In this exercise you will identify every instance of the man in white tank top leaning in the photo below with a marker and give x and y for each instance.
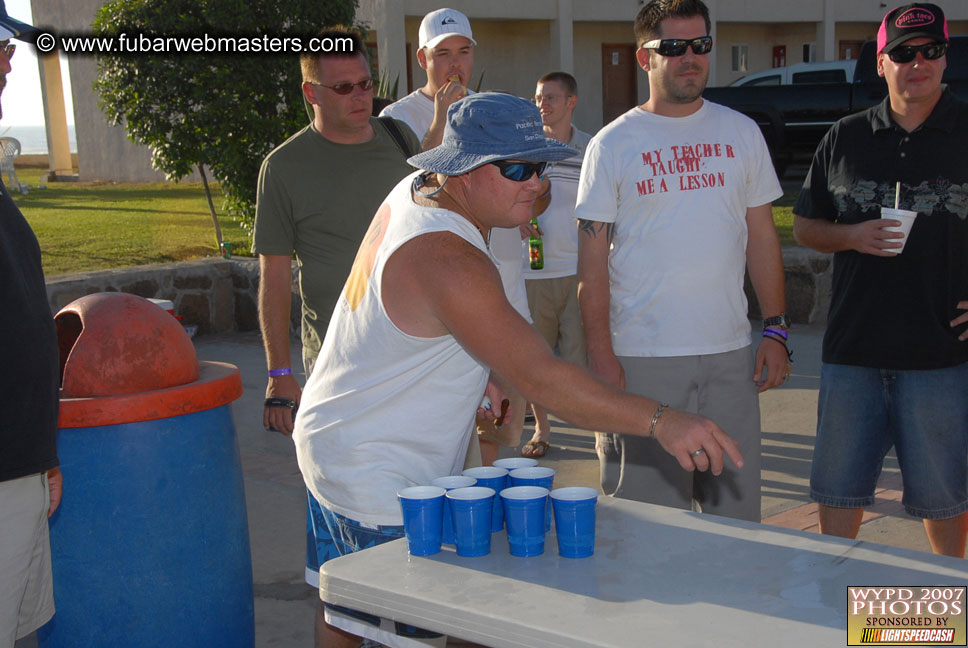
(423, 323)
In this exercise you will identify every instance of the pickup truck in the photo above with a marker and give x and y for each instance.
(794, 118)
(815, 72)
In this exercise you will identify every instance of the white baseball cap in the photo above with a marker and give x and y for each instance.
(441, 24)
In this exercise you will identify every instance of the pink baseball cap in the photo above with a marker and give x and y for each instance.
(916, 20)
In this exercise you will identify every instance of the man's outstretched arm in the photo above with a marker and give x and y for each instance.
(438, 283)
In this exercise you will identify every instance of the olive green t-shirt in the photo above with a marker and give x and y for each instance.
(316, 198)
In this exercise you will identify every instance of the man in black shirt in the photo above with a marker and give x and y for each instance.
(895, 369)
(30, 482)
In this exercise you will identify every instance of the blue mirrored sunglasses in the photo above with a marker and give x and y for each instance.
(519, 171)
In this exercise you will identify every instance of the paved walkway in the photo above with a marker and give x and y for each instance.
(276, 506)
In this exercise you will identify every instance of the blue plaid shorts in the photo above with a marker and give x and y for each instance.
(331, 535)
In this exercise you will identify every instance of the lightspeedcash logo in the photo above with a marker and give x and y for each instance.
(891, 616)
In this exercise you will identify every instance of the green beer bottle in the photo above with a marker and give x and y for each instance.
(536, 247)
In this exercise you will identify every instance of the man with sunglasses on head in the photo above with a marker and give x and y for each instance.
(317, 193)
(422, 324)
(674, 203)
(30, 481)
(895, 352)
(446, 53)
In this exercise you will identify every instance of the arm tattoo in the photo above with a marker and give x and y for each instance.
(592, 228)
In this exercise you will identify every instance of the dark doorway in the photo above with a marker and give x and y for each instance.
(619, 92)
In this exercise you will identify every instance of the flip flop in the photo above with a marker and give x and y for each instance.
(535, 449)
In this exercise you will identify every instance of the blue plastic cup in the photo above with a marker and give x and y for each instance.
(496, 478)
(423, 516)
(450, 483)
(524, 514)
(575, 520)
(516, 462)
(535, 476)
(470, 508)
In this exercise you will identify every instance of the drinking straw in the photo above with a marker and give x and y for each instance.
(897, 195)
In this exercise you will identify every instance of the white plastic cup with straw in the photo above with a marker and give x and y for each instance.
(904, 216)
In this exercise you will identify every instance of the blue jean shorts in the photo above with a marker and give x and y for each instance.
(863, 412)
(337, 535)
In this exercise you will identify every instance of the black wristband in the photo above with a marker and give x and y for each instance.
(281, 402)
(778, 340)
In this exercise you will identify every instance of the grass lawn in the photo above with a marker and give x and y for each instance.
(85, 226)
(783, 216)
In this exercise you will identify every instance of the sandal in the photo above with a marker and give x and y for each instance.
(535, 449)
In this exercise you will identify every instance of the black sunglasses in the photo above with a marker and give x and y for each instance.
(520, 171)
(8, 49)
(906, 53)
(677, 46)
(346, 88)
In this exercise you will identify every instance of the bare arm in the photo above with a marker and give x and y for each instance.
(765, 265)
(448, 93)
(867, 237)
(435, 134)
(961, 320)
(594, 241)
(439, 283)
(275, 302)
(55, 485)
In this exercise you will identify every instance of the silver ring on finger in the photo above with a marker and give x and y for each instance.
(697, 453)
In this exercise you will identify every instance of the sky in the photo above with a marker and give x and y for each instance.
(22, 103)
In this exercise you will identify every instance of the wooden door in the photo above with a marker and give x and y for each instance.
(619, 92)
(849, 49)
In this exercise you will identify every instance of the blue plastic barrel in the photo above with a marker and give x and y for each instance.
(150, 544)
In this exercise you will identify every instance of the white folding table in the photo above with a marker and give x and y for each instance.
(659, 577)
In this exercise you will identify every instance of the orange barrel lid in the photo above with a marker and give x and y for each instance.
(113, 343)
(124, 360)
(218, 384)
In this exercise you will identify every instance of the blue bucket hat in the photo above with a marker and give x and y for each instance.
(490, 126)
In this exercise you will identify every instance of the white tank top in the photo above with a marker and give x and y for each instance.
(384, 410)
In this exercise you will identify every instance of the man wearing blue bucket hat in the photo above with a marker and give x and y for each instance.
(422, 323)
(30, 482)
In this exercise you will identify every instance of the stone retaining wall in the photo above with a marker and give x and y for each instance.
(216, 295)
(220, 295)
(808, 280)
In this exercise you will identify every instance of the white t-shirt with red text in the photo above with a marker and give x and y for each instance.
(677, 191)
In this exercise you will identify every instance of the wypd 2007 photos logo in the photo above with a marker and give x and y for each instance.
(892, 616)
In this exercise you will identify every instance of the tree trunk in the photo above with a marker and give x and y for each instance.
(211, 209)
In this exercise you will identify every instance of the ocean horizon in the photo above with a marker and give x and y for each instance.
(33, 139)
